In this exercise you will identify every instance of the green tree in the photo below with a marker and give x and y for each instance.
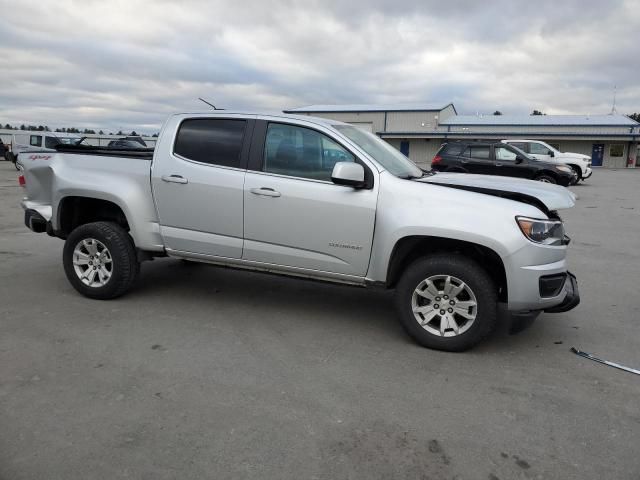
(497, 112)
(537, 112)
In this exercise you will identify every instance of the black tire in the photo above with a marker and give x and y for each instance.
(11, 157)
(125, 265)
(546, 178)
(470, 273)
(576, 169)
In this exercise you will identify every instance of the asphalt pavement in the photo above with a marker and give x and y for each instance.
(205, 372)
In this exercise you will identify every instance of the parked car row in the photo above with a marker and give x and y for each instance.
(530, 159)
(26, 142)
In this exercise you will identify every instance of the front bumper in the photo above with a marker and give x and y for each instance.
(587, 173)
(572, 297)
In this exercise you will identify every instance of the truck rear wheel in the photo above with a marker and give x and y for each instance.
(446, 302)
(100, 260)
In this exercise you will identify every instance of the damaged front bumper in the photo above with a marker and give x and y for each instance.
(572, 297)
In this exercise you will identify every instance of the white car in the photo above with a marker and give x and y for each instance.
(35, 141)
(543, 151)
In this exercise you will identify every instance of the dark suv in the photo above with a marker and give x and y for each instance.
(496, 158)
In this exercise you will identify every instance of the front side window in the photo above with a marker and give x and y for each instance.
(503, 153)
(301, 152)
(35, 140)
(616, 150)
(537, 149)
(216, 141)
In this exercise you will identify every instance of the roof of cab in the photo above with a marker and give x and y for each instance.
(263, 114)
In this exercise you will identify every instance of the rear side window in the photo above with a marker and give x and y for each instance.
(51, 142)
(35, 140)
(211, 140)
(453, 149)
(481, 152)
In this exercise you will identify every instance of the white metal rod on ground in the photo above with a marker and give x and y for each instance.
(606, 362)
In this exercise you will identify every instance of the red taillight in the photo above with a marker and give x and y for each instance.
(22, 181)
(436, 160)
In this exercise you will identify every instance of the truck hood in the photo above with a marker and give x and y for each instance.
(545, 196)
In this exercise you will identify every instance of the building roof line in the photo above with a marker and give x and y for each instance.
(366, 108)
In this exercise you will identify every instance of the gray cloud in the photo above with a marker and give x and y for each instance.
(128, 64)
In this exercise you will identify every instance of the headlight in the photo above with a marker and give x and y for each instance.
(564, 168)
(547, 232)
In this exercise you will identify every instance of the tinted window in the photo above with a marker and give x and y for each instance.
(503, 153)
(211, 140)
(538, 149)
(301, 152)
(481, 152)
(453, 149)
(35, 140)
(51, 142)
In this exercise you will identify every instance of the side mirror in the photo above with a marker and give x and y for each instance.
(348, 173)
(552, 154)
(519, 160)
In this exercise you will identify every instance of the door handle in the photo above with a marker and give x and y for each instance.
(464, 161)
(174, 179)
(498, 164)
(265, 192)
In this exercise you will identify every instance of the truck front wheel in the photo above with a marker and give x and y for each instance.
(100, 260)
(446, 302)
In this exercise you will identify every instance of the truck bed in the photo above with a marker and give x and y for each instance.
(144, 153)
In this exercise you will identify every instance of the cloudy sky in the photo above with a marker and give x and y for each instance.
(114, 64)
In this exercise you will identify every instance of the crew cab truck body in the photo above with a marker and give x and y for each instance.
(580, 163)
(311, 198)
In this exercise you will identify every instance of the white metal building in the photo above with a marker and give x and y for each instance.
(419, 130)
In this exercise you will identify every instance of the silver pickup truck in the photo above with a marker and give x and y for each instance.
(311, 198)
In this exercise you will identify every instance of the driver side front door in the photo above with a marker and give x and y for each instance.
(294, 215)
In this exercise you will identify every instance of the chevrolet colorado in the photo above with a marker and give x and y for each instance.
(312, 198)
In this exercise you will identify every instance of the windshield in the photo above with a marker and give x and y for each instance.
(383, 153)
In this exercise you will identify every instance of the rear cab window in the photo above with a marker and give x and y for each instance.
(35, 140)
(215, 141)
